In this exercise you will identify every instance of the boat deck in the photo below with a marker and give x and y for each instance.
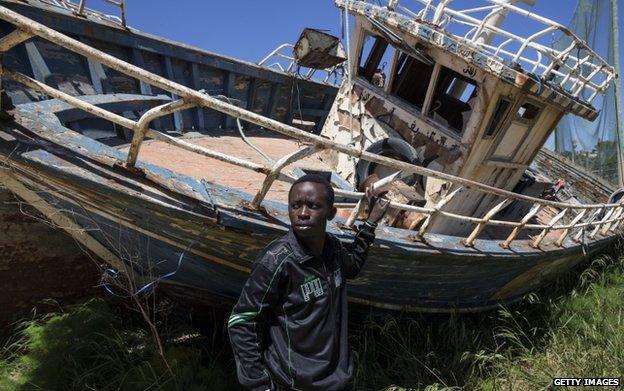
(230, 175)
(226, 174)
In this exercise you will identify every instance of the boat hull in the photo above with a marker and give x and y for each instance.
(207, 243)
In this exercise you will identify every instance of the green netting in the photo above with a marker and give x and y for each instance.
(592, 145)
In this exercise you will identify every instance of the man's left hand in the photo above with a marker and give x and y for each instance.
(377, 205)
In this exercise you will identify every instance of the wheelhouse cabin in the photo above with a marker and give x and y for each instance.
(454, 104)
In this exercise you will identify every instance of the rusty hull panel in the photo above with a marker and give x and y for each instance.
(38, 262)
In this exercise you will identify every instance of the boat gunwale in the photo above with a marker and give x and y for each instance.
(162, 46)
(231, 219)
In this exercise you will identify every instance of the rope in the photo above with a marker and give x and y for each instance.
(242, 134)
(112, 274)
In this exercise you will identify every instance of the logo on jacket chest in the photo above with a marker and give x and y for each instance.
(312, 286)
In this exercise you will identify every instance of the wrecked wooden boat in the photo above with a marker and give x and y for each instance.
(174, 163)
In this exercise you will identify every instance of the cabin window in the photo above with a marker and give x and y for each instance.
(453, 100)
(516, 133)
(376, 54)
(411, 79)
(502, 106)
(528, 112)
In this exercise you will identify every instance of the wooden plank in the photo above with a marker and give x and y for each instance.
(178, 123)
(38, 65)
(137, 59)
(198, 112)
(96, 71)
(327, 105)
(270, 107)
(228, 121)
(251, 97)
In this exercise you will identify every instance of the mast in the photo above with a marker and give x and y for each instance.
(617, 92)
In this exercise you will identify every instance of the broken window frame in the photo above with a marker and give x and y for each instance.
(492, 129)
(518, 117)
(438, 65)
(433, 88)
(394, 73)
(361, 71)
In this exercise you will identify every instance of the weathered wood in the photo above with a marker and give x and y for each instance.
(198, 112)
(228, 120)
(436, 210)
(615, 216)
(137, 58)
(536, 208)
(544, 232)
(567, 230)
(604, 220)
(12, 39)
(40, 69)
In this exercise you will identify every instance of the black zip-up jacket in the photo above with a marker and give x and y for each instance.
(289, 326)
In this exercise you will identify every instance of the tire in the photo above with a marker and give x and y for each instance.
(390, 147)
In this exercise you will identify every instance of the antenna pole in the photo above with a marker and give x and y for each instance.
(617, 92)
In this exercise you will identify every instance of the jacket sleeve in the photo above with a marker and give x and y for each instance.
(247, 322)
(354, 254)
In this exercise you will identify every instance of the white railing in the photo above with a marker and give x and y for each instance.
(604, 219)
(281, 59)
(577, 69)
(81, 9)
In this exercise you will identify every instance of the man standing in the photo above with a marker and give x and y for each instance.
(288, 329)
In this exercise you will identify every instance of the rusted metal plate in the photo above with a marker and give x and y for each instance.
(318, 50)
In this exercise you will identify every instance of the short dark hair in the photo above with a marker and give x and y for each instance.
(315, 178)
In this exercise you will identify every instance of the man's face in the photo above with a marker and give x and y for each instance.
(309, 209)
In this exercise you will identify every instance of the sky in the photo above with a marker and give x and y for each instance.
(250, 29)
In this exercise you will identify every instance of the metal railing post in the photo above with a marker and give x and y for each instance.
(13, 39)
(277, 168)
(544, 232)
(142, 126)
(436, 209)
(488, 216)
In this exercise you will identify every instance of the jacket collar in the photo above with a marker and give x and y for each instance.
(300, 252)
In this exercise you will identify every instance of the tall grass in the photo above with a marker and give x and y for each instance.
(96, 347)
(574, 328)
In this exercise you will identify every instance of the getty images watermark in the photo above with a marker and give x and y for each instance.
(586, 382)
